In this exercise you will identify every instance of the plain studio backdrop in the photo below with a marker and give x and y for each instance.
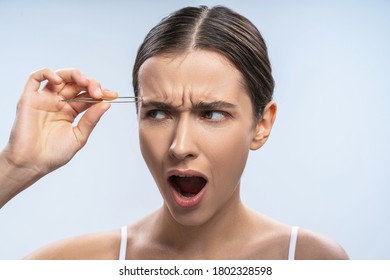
(324, 168)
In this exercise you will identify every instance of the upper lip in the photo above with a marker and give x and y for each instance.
(186, 173)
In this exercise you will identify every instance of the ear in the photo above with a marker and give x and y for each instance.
(264, 126)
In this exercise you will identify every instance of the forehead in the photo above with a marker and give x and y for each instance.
(195, 75)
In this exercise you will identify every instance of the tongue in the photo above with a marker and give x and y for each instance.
(190, 186)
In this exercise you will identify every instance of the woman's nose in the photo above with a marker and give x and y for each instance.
(184, 141)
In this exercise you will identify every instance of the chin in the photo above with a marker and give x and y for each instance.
(189, 218)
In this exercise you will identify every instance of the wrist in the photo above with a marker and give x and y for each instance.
(14, 177)
(21, 160)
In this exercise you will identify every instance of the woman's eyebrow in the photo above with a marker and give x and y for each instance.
(201, 106)
(214, 105)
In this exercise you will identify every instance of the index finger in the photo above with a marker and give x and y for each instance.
(36, 78)
(77, 77)
(73, 75)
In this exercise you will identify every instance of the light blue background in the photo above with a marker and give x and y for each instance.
(325, 167)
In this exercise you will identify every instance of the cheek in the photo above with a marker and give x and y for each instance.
(152, 146)
(228, 152)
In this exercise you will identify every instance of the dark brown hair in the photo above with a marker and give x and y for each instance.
(218, 29)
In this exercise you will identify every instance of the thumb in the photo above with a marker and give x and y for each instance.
(88, 122)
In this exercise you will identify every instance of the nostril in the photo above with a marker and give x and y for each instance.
(181, 154)
(180, 151)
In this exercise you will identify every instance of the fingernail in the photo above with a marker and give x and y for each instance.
(112, 93)
(98, 92)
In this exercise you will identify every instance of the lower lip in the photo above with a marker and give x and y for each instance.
(188, 202)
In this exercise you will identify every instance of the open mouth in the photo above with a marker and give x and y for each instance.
(187, 186)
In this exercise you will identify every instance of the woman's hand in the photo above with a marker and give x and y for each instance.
(44, 137)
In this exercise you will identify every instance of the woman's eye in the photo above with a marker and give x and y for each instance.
(157, 114)
(214, 115)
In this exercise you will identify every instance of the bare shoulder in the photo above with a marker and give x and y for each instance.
(311, 246)
(104, 246)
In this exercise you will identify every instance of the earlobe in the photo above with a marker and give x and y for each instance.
(264, 126)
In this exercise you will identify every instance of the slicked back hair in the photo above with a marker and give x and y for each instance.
(217, 29)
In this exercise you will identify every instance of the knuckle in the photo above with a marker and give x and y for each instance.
(39, 72)
(68, 70)
(77, 72)
(93, 81)
(61, 71)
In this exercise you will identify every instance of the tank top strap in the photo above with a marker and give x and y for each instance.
(293, 243)
(123, 245)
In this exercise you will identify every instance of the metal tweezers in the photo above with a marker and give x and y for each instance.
(119, 99)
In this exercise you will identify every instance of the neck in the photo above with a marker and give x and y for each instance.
(223, 229)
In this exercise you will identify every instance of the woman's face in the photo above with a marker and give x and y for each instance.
(196, 128)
